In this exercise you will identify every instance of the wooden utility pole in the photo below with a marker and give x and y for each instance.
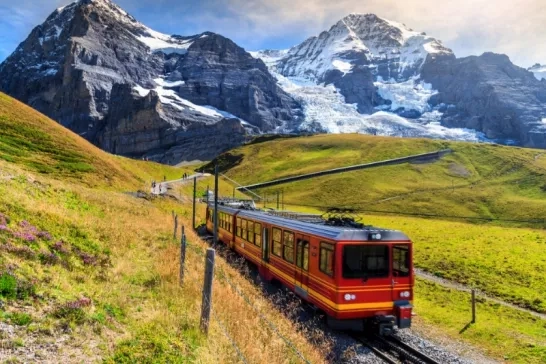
(182, 256)
(194, 193)
(206, 304)
(215, 216)
(175, 217)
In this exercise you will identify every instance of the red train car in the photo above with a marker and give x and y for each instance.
(358, 276)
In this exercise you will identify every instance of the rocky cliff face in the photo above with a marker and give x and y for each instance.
(490, 94)
(133, 91)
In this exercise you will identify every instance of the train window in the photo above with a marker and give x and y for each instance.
(239, 227)
(258, 234)
(365, 261)
(277, 242)
(327, 258)
(251, 231)
(288, 251)
(400, 260)
(243, 229)
(302, 254)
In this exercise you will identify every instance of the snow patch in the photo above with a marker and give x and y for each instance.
(163, 83)
(158, 42)
(325, 106)
(408, 95)
(170, 97)
(343, 66)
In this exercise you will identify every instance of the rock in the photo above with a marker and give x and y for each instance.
(490, 94)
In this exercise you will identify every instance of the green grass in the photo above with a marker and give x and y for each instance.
(500, 331)
(505, 262)
(477, 180)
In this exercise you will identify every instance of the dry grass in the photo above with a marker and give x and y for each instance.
(137, 311)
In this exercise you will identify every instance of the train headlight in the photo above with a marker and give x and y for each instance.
(375, 236)
(349, 297)
(405, 294)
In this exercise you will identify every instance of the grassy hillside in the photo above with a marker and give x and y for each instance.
(477, 180)
(504, 259)
(90, 273)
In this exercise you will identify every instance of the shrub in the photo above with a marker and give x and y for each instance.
(20, 318)
(8, 286)
(73, 310)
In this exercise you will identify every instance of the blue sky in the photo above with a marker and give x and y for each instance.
(466, 26)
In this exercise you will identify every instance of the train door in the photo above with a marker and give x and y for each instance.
(265, 245)
(302, 265)
(401, 272)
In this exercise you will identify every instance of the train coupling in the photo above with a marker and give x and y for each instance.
(386, 324)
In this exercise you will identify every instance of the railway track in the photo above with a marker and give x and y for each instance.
(394, 351)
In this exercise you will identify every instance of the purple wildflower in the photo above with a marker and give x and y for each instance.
(3, 227)
(79, 303)
(21, 251)
(44, 235)
(26, 236)
(49, 258)
(88, 259)
(60, 247)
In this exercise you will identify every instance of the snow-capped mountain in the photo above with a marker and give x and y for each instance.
(389, 48)
(539, 71)
(134, 91)
(373, 75)
(137, 92)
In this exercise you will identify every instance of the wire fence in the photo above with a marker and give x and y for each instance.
(221, 323)
(221, 275)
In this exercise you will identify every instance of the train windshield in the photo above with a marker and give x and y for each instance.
(365, 261)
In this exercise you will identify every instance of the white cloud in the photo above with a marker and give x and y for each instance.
(466, 26)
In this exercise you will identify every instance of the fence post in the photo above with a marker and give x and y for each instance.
(194, 193)
(215, 205)
(182, 256)
(175, 225)
(473, 306)
(206, 304)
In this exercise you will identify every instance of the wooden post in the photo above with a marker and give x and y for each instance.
(182, 256)
(207, 195)
(206, 304)
(473, 306)
(194, 193)
(215, 216)
(175, 225)
(277, 200)
(265, 200)
(282, 198)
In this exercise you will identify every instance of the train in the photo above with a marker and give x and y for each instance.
(360, 276)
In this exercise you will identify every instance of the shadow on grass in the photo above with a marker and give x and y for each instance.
(467, 326)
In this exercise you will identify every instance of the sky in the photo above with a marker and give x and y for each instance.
(469, 27)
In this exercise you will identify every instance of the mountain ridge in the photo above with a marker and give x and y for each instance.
(84, 67)
(134, 91)
(388, 71)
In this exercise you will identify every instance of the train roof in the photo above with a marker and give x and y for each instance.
(322, 230)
